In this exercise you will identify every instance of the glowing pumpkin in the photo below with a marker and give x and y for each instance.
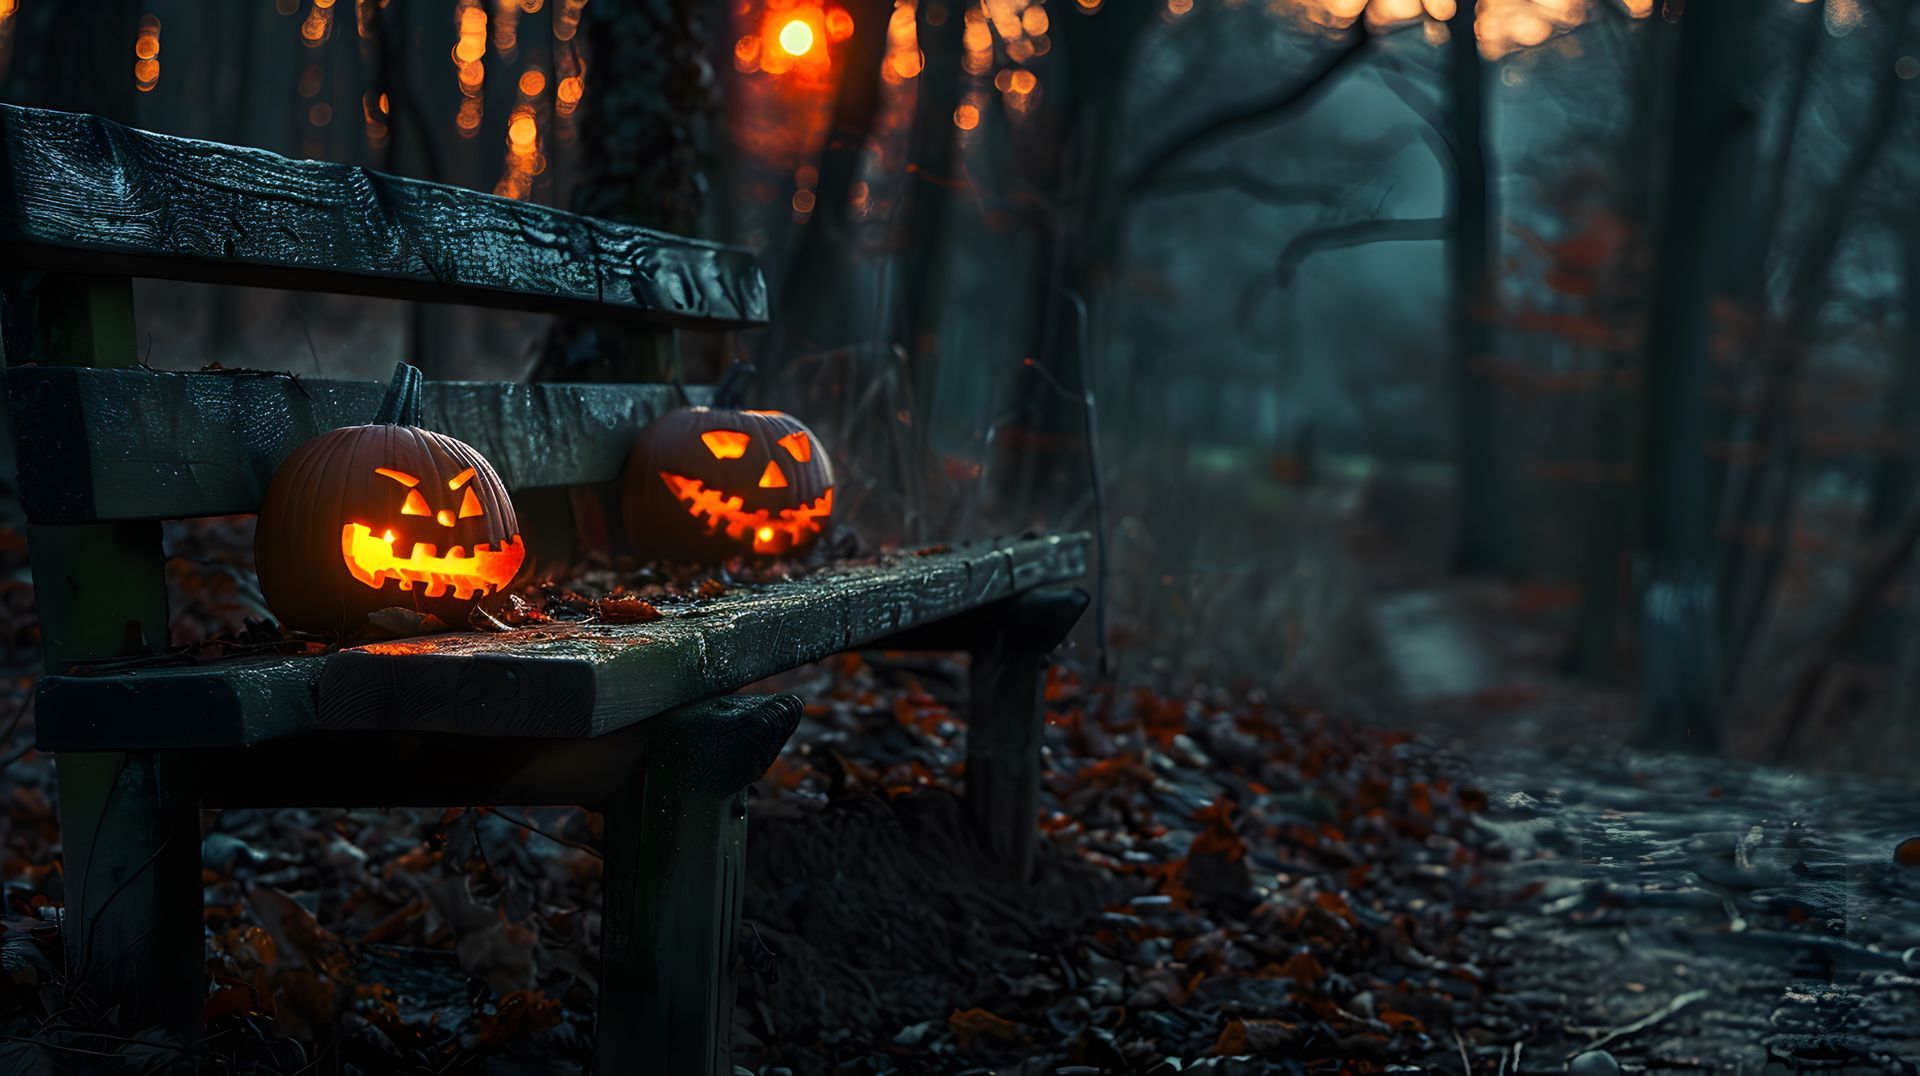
(707, 483)
(368, 517)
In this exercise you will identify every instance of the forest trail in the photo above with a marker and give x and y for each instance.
(1762, 910)
(1680, 912)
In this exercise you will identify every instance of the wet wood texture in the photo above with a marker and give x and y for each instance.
(554, 680)
(79, 193)
(134, 444)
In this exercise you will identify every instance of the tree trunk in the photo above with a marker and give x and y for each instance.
(1704, 205)
(645, 145)
(1073, 157)
(932, 171)
(1485, 503)
(1764, 504)
(1896, 474)
(1602, 645)
(74, 57)
(818, 300)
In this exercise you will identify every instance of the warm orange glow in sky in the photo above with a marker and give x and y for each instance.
(796, 37)
(1502, 26)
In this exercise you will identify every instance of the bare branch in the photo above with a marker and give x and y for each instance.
(1232, 122)
(1272, 192)
(1437, 131)
(1354, 234)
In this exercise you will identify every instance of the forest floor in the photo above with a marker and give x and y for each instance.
(1227, 884)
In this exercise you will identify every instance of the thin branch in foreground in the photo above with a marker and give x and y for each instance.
(1645, 1022)
(1355, 234)
(1231, 122)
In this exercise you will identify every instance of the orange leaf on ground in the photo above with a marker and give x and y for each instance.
(519, 1014)
(971, 1024)
(1400, 1021)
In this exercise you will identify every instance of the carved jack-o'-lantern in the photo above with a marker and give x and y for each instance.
(368, 517)
(706, 483)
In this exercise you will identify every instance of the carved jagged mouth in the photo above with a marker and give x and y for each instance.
(468, 575)
(770, 532)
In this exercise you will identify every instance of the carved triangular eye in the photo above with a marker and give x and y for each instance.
(416, 505)
(772, 477)
(470, 506)
(798, 445)
(726, 444)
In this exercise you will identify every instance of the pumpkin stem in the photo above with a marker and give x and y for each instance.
(731, 392)
(401, 405)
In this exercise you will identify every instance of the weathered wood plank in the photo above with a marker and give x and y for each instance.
(564, 680)
(137, 444)
(79, 193)
(1006, 717)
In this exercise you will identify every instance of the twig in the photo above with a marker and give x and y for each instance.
(1096, 475)
(1465, 1065)
(1645, 1022)
(562, 841)
(1354, 234)
(305, 331)
(1228, 123)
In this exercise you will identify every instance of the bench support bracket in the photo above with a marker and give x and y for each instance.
(676, 839)
(133, 930)
(1005, 724)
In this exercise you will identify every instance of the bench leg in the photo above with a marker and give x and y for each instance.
(675, 872)
(133, 929)
(1004, 725)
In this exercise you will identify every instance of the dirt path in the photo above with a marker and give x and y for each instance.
(1762, 910)
(1680, 912)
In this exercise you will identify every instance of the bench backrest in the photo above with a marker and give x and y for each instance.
(107, 449)
(83, 194)
(122, 445)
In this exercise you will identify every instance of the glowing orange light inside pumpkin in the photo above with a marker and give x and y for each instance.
(839, 24)
(372, 561)
(725, 444)
(416, 505)
(470, 506)
(772, 477)
(796, 37)
(798, 446)
(772, 532)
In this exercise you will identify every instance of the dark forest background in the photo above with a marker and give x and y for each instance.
(1594, 321)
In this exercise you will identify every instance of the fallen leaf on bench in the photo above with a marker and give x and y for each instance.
(398, 622)
(625, 609)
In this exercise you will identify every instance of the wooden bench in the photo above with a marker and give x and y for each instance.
(635, 720)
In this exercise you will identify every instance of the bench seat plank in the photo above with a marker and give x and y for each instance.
(556, 680)
(109, 445)
(84, 194)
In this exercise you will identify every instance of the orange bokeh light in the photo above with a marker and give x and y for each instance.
(796, 37)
